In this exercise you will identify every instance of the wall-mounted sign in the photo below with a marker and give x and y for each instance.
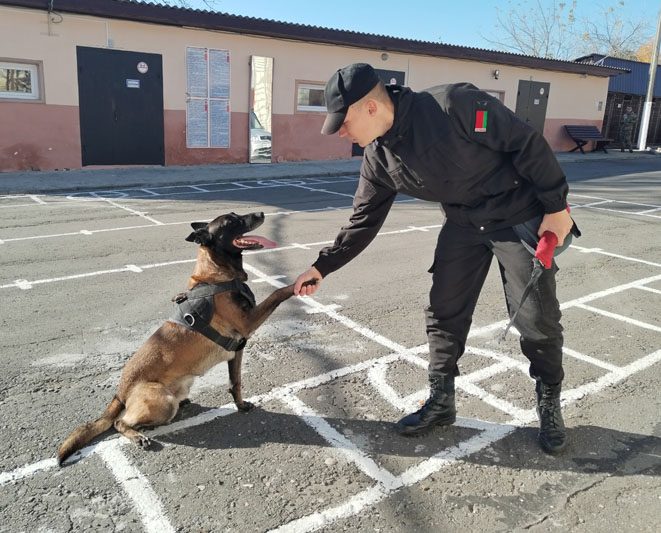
(133, 84)
(143, 67)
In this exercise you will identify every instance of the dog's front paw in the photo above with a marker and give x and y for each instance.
(142, 441)
(245, 406)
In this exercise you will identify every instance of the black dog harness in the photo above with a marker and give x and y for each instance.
(194, 309)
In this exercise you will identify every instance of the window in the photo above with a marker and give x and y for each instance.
(20, 81)
(310, 97)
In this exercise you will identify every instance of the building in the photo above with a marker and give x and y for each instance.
(121, 82)
(629, 90)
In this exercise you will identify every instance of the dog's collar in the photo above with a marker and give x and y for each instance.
(195, 307)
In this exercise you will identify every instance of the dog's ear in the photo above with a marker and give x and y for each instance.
(201, 235)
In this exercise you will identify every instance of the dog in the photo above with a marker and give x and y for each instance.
(210, 325)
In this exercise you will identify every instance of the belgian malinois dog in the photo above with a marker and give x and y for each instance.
(208, 328)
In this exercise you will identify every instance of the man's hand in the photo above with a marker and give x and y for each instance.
(307, 283)
(559, 223)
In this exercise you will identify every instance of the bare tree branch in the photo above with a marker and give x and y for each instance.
(552, 30)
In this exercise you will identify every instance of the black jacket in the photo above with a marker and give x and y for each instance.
(459, 146)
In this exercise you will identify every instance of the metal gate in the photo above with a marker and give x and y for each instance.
(121, 107)
(616, 104)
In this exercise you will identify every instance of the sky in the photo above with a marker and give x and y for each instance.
(460, 22)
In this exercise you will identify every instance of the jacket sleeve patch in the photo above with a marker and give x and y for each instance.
(481, 119)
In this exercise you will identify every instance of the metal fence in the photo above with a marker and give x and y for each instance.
(616, 104)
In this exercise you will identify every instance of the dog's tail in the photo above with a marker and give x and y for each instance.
(82, 435)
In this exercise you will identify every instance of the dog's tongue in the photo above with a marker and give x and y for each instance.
(266, 243)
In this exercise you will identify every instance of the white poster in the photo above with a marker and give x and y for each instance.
(197, 123)
(207, 98)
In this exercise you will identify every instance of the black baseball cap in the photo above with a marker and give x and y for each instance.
(346, 87)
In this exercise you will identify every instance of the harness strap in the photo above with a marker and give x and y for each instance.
(188, 312)
(197, 322)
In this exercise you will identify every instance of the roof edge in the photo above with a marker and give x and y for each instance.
(183, 17)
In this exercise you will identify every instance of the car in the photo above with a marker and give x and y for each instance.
(260, 141)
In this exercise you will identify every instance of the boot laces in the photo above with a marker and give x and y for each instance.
(429, 400)
(550, 413)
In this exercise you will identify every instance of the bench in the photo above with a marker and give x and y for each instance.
(582, 135)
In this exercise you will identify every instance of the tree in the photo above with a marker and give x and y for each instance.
(610, 34)
(543, 31)
(553, 30)
(645, 51)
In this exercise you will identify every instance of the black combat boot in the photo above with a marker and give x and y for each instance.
(552, 435)
(438, 410)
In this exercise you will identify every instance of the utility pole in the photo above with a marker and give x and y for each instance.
(647, 110)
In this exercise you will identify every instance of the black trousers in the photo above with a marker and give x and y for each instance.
(461, 263)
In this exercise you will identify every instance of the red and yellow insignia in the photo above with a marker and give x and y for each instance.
(481, 120)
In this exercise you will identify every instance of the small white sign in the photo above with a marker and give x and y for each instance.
(143, 67)
(133, 84)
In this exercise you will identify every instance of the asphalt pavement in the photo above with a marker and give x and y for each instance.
(87, 272)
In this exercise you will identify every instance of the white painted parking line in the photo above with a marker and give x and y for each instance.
(600, 201)
(420, 228)
(323, 309)
(325, 191)
(647, 211)
(615, 201)
(351, 507)
(136, 486)
(649, 289)
(623, 212)
(185, 222)
(592, 204)
(268, 279)
(452, 455)
(36, 199)
(338, 441)
(611, 378)
(592, 360)
(26, 471)
(133, 211)
(618, 256)
(621, 318)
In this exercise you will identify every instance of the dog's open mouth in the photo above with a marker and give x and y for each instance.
(253, 242)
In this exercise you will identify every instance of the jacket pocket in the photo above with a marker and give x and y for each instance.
(405, 178)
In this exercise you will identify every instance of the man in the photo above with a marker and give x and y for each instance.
(495, 177)
(626, 129)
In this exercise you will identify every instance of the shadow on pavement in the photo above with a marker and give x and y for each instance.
(591, 449)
